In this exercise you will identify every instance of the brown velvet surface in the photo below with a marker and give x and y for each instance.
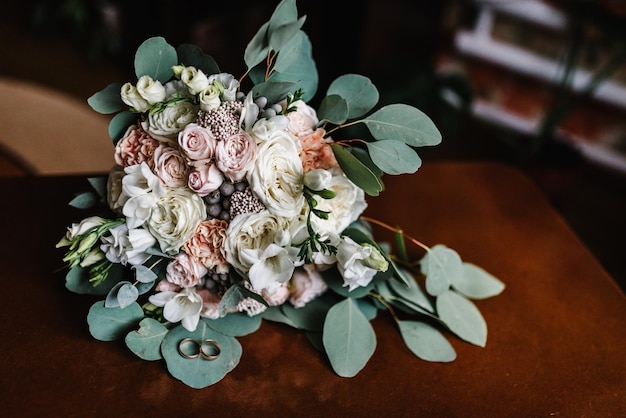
(556, 345)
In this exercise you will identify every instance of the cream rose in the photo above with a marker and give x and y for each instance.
(209, 98)
(207, 245)
(174, 218)
(235, 155)
(132, 98)
(166, 124)
(195, 80)
(277, 175)
(170, 166)
(151, 90)
(185, 271)
(303, 121)
(197, 142)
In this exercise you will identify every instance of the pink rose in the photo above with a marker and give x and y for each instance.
(316, 152)
(165, 286)
(135, 147)
(197, 143)
(302, 121)
(185, 271)
(207, 245)
(170, 166)
(235, 155)
(307, 284)
(205, 178)
(280, 295)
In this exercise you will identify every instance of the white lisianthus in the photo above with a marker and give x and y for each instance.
(184, 306)
(227, 84)
(151, 90)
(358, 264)
(132, 98)
(174, 218)
(126, 246)
(209, 98)
(166, 124)
(278, 175)
(344, 208)
(140, 189)
(83, 226)
(195, 80)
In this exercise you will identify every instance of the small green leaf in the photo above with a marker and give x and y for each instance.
(349, 339)
(235, 324)
(476, 283)
(275, 314)
(84, 200)
(107, 100)
(441, 266)
(426, 342)
(192, 56)
(333, 109)
(120, 123)
(357, 172)
(358, 91)
(403, 123)
(367, 307)
(462, 317)
(146, 342)
(108, 324)
(412, 293)
(155, 58)
(394, 157)
(363, 156)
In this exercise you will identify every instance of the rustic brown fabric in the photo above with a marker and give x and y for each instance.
(556, 345)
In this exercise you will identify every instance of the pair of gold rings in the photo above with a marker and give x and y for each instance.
(207, 349)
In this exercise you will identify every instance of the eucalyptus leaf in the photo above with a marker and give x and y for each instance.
(298, 67)
(357, 172)
(462, 317)
(367, 307)
(77, 281)
(333, 109)
(121, 295)
(410, 291)
(146, 341)
(84, 200)
(108, 324)
(274, 91)
(358, 91)
(99, 184)
(394, 157)
(235, 324)
(426, 342)
(278, 36)
(155, 58)
(476, 283)
(108, 100)
(119, 124)
(312, 315)
(198, 372)
(143, 274)
(363, 156)
(349, 339)
(441, 266)
(257, 49)
(275, 314)
(403, 123)
(191, 55)
(315, 338)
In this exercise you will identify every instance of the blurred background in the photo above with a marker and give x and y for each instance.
(536, 84)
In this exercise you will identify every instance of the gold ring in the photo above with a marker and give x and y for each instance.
(212, 350)
(186, 343)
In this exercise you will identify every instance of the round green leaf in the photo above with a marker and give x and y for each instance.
(275, 314)
(191, 55)
(358, 91)
(146, 342)
(394, 157)
(356, 171)
(108, 324)
(333, 109)
(441, 266)
(120, 123)
(198, 372)
(312, 315)
(107, 100)
(295, 64)
(349, 339)
(155, 58)
(476, 283)
(411, 293)
(258, 47)
(143, 274)
(235, 324)
(426, 342)
(403, 123)
(278, 36)
(77, 281)
(462, 317)
(273, 91)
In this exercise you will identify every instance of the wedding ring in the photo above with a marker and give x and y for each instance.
(210, 350)
(189, 348)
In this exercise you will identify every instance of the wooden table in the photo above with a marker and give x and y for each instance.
(556, 346)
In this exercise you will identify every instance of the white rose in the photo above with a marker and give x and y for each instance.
(151, 90)
(210, 98)
(227, 84)
(235, 155)
(277, 176)
(303, 121)
(195, 80)
(174, 218)
(132, 98)
(126, 246)
(358, 264)
(166, 124)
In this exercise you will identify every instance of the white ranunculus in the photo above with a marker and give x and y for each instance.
(151, 90)
(210, 98)
(303, 121)
(126, 246)
(277, 176)
(166, 124)
(345, 207)
(227, 84)
(358, 264)
(184, 306)
(174, 218)
(195, 80)
(132, 98)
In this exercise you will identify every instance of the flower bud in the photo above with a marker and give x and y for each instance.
(150, 90)
(132, 98)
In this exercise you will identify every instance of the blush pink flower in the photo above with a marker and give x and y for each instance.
(170, 166)
(135, 147)
(306, 284)
(205, 178)
(207, 245)
(316, 152)
(235, 155)
(197, 143)
(210, 304)
(185, 271)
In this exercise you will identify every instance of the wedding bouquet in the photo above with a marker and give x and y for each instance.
(227, 206)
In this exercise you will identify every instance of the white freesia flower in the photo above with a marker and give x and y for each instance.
(126, 246)
(277, 175)
(195, 80)
(132, 98)
(166, 124)
(317, 179)
(358, 264)
(184, 306)
(151, 90)
(140, 189)
(228, 85)
(249, 113)
(270, 267)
